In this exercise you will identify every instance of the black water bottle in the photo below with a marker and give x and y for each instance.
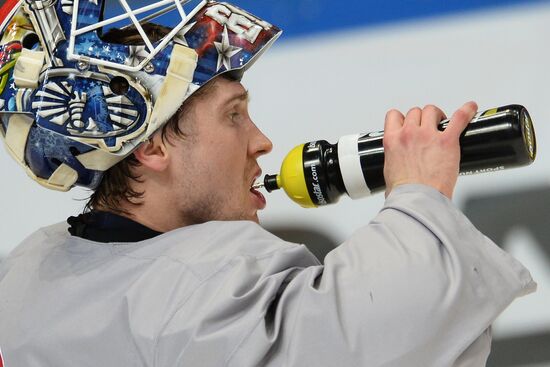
(318, 173)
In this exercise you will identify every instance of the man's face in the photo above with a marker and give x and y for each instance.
(214, 166)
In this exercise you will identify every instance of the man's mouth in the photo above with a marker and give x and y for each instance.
(259, 197)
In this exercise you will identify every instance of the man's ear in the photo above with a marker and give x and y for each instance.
(153, 154)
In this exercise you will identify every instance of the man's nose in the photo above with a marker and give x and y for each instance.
(260, 144)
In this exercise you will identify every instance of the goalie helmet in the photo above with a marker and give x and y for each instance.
(72, 104)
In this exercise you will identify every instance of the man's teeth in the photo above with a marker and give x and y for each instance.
(257, 185)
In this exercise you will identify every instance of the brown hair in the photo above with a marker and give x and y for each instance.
(115, 187)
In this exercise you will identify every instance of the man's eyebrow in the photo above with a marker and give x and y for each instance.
(245, 96)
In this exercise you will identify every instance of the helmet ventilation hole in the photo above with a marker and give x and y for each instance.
(30, 41)
(119, 85)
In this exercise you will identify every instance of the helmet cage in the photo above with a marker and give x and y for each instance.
(86, 19)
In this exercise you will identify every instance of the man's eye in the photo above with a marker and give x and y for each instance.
(235, 117)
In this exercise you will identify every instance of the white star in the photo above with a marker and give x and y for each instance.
(136, 55)
(180, 36)
(93, 2)
(225, 51)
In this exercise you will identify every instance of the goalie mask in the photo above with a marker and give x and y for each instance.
(73, 102)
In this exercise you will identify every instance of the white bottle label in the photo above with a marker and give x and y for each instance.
(350, 167)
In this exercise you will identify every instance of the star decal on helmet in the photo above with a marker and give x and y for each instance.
(136, 55)
(225, 51)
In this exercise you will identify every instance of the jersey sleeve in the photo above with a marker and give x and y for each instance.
(418, 286)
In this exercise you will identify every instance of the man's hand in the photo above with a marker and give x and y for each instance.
(417, 152)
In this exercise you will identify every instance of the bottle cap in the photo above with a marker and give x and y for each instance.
(270, 183)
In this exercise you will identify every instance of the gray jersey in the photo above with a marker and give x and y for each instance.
(417, 286)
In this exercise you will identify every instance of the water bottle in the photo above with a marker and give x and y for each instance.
(319, 173)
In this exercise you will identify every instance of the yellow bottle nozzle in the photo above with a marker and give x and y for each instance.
(292, 179)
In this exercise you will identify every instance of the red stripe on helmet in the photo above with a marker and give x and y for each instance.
(6, 9)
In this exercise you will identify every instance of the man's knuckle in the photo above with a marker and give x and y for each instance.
(393, 113)
(430, 108)
(415, 110)
(408, 134)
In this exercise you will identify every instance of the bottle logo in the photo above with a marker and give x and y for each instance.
(482, 170)
(316, 187)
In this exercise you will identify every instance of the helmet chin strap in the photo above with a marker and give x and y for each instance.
(172, 93)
